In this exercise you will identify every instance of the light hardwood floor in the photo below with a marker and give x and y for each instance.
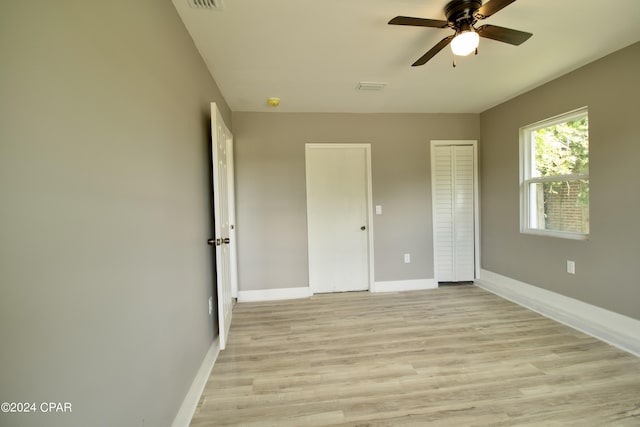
(455, 356)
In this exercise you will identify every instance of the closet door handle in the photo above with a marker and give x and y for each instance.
(363, 228)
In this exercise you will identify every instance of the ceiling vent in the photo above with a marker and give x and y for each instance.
(370, 86)
(207, 4)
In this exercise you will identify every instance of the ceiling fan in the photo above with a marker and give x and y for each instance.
(462, 16)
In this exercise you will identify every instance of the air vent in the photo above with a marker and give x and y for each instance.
(207, 4)
(370, 86)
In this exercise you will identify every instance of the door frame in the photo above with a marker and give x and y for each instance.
(369, 194)
(476, 200)
(233, 246)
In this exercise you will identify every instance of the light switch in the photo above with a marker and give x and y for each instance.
(378, 209)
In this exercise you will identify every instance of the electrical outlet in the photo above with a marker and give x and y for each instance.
(571, 267)
(407, 258)
(210, 305)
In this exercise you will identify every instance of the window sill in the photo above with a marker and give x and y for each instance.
(556, 234)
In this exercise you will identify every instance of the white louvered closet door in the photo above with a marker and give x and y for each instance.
(453, 189)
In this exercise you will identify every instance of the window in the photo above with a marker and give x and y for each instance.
(554, 170)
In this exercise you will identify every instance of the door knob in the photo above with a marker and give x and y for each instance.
(226, 240)
(363, 228)
(211, 241)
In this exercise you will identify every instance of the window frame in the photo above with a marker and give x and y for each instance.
(526, 178)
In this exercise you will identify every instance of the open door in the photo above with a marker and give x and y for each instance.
(221, 139)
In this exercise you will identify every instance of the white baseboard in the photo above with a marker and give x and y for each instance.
(306, 292)
(616, 329)
(404, 285)
(274, 294)
(190, 403)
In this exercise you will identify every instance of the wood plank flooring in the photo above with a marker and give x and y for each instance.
(456, 356)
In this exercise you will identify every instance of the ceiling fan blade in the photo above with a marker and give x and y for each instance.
(434, 50)
(418, 22)
(488, 9)
(502, 34)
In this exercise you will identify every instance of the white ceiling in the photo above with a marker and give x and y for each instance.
(313, 53)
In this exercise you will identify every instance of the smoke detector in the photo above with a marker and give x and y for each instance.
(207, 4)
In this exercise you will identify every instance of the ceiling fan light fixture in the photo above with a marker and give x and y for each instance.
(462, 15)
(465, 42)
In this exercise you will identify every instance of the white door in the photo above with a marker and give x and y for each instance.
(220, 140)
(454, 190)
(338, 217)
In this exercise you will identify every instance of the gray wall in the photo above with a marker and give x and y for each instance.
(271, 200)
(105, 210)
(607, 266)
